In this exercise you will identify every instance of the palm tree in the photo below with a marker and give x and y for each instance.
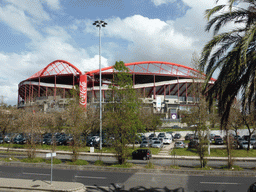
(233, 53)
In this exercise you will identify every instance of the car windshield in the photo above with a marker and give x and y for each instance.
(157, 142)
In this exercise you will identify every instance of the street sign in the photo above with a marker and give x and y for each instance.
(50, 155)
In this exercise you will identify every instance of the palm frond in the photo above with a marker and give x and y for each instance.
(223, 19)
(210, 12)
(246, 41)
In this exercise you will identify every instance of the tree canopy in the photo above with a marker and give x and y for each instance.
(233, 53)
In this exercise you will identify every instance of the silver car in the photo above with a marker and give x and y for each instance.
(157, 144)
(244, 145)
(145, 143)
(179, 144)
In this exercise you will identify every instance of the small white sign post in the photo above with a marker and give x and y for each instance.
(51, 155)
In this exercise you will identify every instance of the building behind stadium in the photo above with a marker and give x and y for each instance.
(164, 87)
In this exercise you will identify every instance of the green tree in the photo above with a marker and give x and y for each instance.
(233, 53)
(30, 123)
(121, 118)
(199, 114)
(150, 120)
(76, 119)
(8, 117)
(55, 123)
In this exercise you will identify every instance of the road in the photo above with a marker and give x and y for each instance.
(145, 181)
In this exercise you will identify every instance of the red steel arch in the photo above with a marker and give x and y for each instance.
(57, 67)
(154, 68)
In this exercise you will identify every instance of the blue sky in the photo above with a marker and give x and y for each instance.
(37, 32)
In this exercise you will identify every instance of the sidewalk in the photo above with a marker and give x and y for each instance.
(7, 184)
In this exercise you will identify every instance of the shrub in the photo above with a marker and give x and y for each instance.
(150, 165)
(99, 163)
(54, 161)
(78, 162)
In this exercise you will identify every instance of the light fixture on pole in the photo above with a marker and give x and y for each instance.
(100, 24)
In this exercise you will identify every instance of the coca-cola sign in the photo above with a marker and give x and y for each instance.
(83, 90)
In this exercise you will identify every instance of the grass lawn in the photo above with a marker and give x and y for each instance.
(216, 152)
(154, 151)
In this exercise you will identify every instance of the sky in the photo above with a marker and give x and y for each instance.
(36, 32)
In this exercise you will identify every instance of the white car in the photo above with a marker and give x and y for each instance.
(167, 140)
(96, 138)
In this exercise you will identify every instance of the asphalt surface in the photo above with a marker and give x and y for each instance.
(148, 180)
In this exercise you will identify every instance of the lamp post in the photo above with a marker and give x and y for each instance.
(100, 24)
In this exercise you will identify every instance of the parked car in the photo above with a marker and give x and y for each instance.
(143, 137)
(167, 140)
(93, 142)
(253, 140)
(244, 145)
(219, 141)
(47, 139)
(8, 137)
(152, 135)
(239, 140)
(191, 137)
(161, 135)
(144, 143)
(1, 139)
(144, 154)
(96, 138)
(153, 140)
(62, 141)
(157, 144)
(236, 137)
(246, 137)
(177, 136)
(179, 144)
(70, 140)
(216, 136)
(20, 139)
(212, 135)
(193, 144)
(175, 127)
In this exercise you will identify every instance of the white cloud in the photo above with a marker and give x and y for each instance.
(24, 16)
(18, 67)
(160, 2)
(32, 7)
(93, 63)
(53, 4)
(17, 20)
(148, 39)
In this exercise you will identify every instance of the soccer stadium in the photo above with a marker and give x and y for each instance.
(164, 87)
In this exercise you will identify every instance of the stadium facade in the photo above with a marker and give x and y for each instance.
(164, 87)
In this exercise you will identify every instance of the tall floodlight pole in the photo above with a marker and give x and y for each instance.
(100, 24)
